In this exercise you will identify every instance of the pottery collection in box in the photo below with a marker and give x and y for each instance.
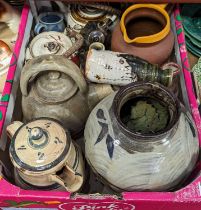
(99, 97)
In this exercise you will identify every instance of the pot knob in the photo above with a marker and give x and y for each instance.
(53, 47)
(36, 133)
(38, 138)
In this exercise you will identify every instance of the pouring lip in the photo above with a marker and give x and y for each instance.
(121, 94)
(45, 169)
(145, 39)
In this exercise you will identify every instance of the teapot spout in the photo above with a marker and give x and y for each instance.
(97, 92)
(12, 128)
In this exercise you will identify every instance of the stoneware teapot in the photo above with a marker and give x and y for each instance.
(53, 86)
(45, 156)
(144, 31)
(143, 130)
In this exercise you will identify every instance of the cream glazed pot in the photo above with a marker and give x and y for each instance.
(134, 161)
(44, 156)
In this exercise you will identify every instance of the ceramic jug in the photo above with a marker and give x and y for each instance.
(144, 31)
(44, 156)
(145, 131)
(53, 86)
(79, 15)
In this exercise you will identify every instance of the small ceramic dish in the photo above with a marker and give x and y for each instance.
(193, 26)
(193, 40)
(194, 49)
(5, 56)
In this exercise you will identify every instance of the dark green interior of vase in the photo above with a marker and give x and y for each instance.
(145, 115)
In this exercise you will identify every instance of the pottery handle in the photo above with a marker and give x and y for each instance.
(12, 128)
(72, 182)
(176, 69)
(77, 45)
(51, 63)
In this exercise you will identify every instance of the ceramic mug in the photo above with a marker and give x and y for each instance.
(50, 21)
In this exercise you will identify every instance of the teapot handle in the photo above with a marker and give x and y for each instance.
(73, 177)
(77, 45)
(51, 63)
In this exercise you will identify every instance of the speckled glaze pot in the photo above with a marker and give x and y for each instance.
(153, 161)
(144, 31)
(44, 156)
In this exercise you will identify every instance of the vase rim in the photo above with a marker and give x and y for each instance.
(123, 92)
(150, 38)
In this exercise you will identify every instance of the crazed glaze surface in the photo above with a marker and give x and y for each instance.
(155, 165)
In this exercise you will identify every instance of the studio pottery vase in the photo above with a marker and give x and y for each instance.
(141, 139)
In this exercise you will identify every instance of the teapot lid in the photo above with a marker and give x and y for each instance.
(54, 87)
(50, 43)
(39, 145)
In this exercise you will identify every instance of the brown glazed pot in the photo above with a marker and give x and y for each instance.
(143, 22)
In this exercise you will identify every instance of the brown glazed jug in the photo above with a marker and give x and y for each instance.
(144, 31)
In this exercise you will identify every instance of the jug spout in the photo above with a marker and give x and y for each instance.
(97, 92)
(12, 128)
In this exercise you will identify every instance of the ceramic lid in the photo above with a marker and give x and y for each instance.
(88, 13)
(54, 87)
(50, 43)
(39, 145)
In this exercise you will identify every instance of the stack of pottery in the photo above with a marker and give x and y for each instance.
(137, 129)
(191, 16)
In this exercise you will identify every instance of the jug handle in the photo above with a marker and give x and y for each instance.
(51, 63)
(71, 188)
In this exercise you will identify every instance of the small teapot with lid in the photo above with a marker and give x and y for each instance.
(53, 86)
(44, 156)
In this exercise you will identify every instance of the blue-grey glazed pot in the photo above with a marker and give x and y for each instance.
(50, 21)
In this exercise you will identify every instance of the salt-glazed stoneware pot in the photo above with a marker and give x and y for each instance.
(144, 31)
(53, 86)
(44, 156)
(141, 161)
